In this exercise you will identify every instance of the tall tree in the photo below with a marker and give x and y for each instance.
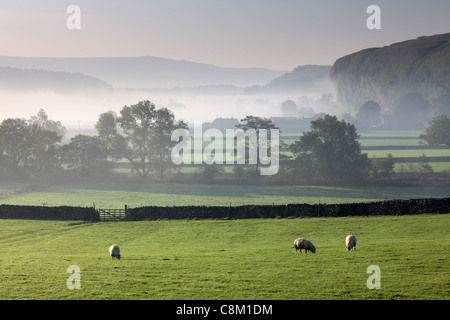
(45, 135)
(30, 146)
(141, 134)
(14, 144)
(382, 168)
(137, 122)
(438, 131)
(257, 123)
(84, 154)
(43, 150)
(161, 142)
(335, 149)
(43, 122)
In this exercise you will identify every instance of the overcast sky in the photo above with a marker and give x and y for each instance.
(276, 34)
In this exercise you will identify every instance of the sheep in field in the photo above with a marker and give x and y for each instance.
(301, 243)
(350, 242)
(114, 252)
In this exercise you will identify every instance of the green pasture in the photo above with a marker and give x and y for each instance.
(391, 142)
(407, 153)
(227, 259)
(412, 167)
(390, 133)
(378, 139)
(140, 193)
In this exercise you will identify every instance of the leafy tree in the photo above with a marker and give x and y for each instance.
(136, 123)
(45, 135)
(257, 123)
(41, 120)
(334, 148)
(438, 131)
(424, 165)
(161, 142)
(107, 126)
(30, 146)
(14, 144)
(43, 150)
(382, 168)
(303, 166)
(141, 134)
(107, 130)
(84, 154)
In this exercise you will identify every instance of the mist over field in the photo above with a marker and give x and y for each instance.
(84, 109)
(76, 98)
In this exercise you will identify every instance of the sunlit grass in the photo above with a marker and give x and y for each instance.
(227, 259)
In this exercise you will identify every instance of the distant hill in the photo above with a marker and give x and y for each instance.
(63, 82)
(419, 67)
(147, 72)
(303, 78)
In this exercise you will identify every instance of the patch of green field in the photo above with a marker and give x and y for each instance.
(391, 142)
(138, 194)
(412, 167)
(227, 259)
(409, 153)
(387, 133)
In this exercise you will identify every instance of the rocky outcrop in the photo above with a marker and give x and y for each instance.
(385, 75)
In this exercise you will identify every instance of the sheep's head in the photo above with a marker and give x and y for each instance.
(313, 249)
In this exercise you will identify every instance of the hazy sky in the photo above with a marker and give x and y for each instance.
(276, 34)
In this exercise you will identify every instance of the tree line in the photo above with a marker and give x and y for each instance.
(141, 137)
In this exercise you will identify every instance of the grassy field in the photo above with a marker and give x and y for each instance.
(383, 139)
(224, 259)
(139, 193)
(227, 259)
(408, 143)
(409, 153)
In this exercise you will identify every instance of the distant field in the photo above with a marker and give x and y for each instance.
(437, 166)
(388, 134)
(409, 153)
(379, 139)
(138, 194)
(386, 141)
(391, 142)
(227, 259)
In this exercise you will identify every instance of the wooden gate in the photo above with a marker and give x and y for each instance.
(112, 214)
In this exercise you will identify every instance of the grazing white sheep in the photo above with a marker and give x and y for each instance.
(114, 252)
(350, 242)
(301, 243)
